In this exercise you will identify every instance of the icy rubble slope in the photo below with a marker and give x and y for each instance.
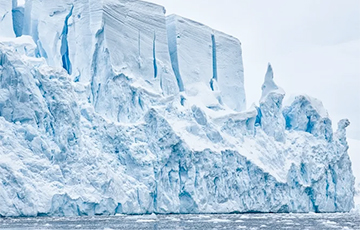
(115, 144)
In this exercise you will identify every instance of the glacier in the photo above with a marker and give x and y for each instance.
(112, 107)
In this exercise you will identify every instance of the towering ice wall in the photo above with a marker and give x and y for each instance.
(95, 40)
(136, 36)
(75, 35)
(203, 56)
(92, 124)
(6, 20)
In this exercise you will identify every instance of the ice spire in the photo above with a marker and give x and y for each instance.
(341, 131)
(269, 84)
(272, 120)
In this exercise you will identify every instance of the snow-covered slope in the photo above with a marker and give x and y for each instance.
(110, 107)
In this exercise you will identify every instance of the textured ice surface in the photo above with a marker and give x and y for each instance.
(269, 113)
(203, 56)
(308, 114)
(95, 120)
(6, 18)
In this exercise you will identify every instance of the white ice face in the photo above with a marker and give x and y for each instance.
(110, 107)
(6, 23)
(20, 2)
(201, 55)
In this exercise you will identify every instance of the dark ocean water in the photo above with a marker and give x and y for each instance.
(196, 222)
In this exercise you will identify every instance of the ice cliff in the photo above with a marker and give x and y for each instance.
(112, 107)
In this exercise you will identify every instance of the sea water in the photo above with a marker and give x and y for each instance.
(196, 222)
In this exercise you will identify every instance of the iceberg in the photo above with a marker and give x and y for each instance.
(111, 107)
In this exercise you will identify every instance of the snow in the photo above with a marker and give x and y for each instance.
(104, 113)
(23, 45)
(21, 2)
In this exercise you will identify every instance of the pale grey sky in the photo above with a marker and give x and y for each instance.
(313, 45)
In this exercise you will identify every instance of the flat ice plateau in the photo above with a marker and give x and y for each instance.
(110, 107)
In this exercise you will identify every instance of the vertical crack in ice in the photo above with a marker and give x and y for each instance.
(94, 71)
(39, 51)
(27, 18)
(172, 45)
(334, 181)
(31, 27)
(214, 57)
(310, 192)
(154, 194)
(154, 56)
(14, 4)
(258, 117)
(64, 50)
(212, 84)
(17, 18)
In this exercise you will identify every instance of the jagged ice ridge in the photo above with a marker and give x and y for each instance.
(112, 107)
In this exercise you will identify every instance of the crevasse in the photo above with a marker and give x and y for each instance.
(64, 50)
(18, 18)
